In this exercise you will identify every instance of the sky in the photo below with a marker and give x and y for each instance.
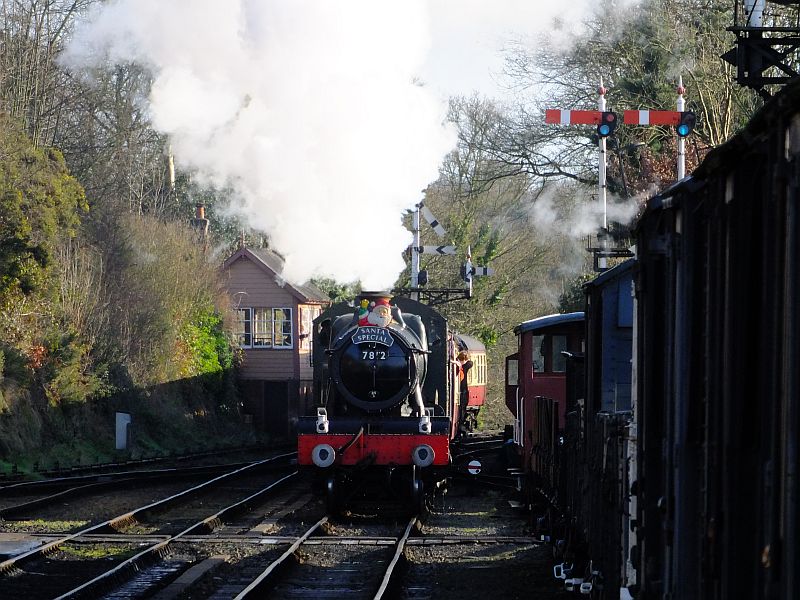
(326, 119)
(468, 37)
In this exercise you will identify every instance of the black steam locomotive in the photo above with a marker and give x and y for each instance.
(387, 398)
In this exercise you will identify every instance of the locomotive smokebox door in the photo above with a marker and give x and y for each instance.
(376, 363)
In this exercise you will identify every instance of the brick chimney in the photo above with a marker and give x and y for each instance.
(200, 223)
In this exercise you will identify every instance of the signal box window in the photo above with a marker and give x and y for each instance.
(244, 327)
(271, 327)
(262, 327)
(307, 316)
(282, 329)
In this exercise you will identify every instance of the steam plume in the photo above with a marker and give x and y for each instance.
(308, 108)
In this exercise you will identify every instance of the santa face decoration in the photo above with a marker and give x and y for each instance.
(375, 314)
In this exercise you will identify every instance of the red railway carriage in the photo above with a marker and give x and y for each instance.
(536, 384)
(476, 379)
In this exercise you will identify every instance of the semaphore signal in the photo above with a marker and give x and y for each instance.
(683, 121)
(606, 122)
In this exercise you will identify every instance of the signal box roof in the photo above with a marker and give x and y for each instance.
(548, 321)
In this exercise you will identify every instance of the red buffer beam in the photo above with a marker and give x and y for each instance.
(651, 117)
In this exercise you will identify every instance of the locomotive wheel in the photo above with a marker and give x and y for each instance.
(417, 493)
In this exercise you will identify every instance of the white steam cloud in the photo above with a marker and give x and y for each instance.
(581, 215)
(308, 109)
(571, 213)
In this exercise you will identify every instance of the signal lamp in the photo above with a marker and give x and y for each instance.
(686, 124)
(607, 125)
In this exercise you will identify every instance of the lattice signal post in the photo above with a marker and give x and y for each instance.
(767, 43)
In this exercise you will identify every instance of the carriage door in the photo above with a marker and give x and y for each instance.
(513, 400)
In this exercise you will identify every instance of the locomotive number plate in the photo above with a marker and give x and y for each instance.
(374, 354)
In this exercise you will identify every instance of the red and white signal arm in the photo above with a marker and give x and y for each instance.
(651, 117)
(474, 467)
(557, 116)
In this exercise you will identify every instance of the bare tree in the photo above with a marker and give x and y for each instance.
(32, 85)
(639, 56)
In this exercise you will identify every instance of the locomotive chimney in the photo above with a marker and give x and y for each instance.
(373, 296)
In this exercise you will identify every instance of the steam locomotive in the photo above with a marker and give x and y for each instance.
(387, 398)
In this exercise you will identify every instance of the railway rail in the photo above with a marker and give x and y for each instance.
(369, 577)
(33, 570)
(226, 539)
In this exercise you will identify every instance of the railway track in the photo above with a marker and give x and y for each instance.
(203, 544)
(71, 567)
(359, 571)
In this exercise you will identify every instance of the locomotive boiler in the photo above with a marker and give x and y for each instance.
(386, 399)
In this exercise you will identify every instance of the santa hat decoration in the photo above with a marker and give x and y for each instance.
(382, 302)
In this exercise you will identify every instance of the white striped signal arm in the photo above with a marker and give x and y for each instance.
(557, 116)
(651, 117)
(436, 249)
(432, 221)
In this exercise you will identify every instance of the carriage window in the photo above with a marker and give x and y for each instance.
(559, 360)
(477, 374)
(512, 372)
(538, 354)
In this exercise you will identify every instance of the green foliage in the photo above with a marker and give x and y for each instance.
(337, 292)
(13, 365)
(573, 298)
(66, 374)
(40, 203)
(208, 347)
(488, 336)
(166, 291)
